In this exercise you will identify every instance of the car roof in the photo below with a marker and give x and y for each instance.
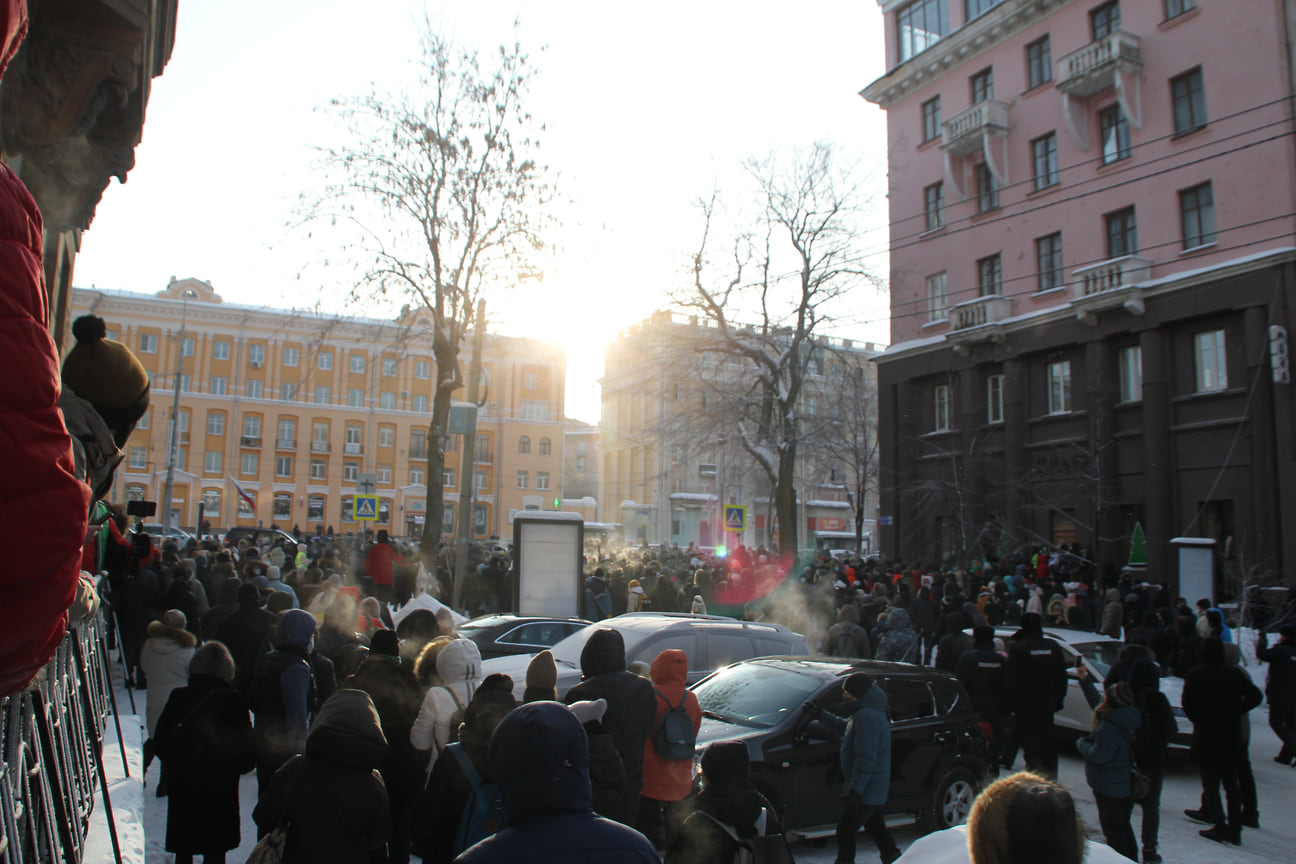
(1062, 634)
(836, 667)
(509, 618)
(667, 620)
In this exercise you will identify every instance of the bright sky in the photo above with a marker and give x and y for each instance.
(647, 108)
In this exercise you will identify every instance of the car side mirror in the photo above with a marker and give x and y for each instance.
(812, 730)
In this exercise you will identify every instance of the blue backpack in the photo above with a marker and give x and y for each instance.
(483, 812)
(674, 736)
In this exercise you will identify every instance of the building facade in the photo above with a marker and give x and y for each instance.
(1092, 231)
(673, 465)
(284, 416)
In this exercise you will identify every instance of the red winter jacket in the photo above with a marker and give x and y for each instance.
(41, 498)
(380, 563)
(669, 779)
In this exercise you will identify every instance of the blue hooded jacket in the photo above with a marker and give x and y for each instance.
(539, 756)
(865, 746)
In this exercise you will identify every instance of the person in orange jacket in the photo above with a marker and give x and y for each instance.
(667, 781)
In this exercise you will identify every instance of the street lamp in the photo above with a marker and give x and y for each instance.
(168, 489)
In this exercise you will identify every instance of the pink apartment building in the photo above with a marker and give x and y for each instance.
(1093, 215)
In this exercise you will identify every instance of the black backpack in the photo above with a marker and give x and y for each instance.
(674, 737)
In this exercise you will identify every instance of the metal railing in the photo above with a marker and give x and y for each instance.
(51, 746)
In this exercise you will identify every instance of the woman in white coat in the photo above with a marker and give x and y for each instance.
(164, 658)
(459, 669)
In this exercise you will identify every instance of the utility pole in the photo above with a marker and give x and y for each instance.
(468, 474)
(168, 488)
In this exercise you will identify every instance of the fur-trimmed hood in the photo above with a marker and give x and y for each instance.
(163, 633)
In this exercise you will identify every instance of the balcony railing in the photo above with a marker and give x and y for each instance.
(980, 312)
(418, 452)
(285, 444)
(319, 446)
(250, 440)
(1092, 69)
(352, 448)
(964, 132)
(1110, 284)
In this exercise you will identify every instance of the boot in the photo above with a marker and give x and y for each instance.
(1222, 834)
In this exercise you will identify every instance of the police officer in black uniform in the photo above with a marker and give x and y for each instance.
(1036, 686)
(981, 671)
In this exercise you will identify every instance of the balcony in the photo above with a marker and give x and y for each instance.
(319, 447)
(353, 448)
(285, 444)
(1111, 284)
(966, 132)
(250, 441)
(418, 452)
(978, 321)
(1098, 66)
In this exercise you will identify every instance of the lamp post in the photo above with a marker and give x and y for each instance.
(168, 489)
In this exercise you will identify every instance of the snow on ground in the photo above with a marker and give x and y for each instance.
(141, 816)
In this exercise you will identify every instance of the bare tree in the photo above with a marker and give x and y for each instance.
(445, 201)
(782, 272)
(847, 435)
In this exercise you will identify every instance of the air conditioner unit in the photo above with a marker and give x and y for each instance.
(256, 364)
(404, 394)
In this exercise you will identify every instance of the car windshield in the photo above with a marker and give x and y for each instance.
(1101, 655)
(755, 694)
(569, 650)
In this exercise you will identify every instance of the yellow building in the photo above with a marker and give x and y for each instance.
(300, 411)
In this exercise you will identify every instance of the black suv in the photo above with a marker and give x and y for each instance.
(938, 750)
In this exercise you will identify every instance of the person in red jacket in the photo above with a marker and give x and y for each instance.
(380, 566)
(667, 781)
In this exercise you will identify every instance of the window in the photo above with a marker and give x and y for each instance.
(1105, 20)
(1175, 8)
(282, 506)
(215, 423)
(421, 370)
(143, 421)
(283, 466)
(256, 355)
(386, 436)
(325, 360)
(319, 469)
(1045, 158)
(1122, 233)
(529, 381)
(542, 479)
(211, 502)
(989, 276)
(357, 364)
(448, 478)
(323, 394)
(287, 431)
(135, 493)
(182, 421)
(186, 383)
(419, 404)
(1197, 214)
(315, 509)
(219, 386)
(524, 446)
(483, 453)
(481, 481)
(909, 699)
(1039, 63)
(1212, 368)
(934, 205)
(1188, 94)
(220, 351)
(937, 299)
(1113, 127)
(249, 463)
(931, 119)
(479, 518)
(291, 356)
(320, 432)
(148, 343)
(252, 426)
(387, 401)
(450, 442)
(994, 399)
(418, 444)
(416, 476)
(976, 8)
(1131, 374)
(187, 347)
(1048, 257)
(941, 405)
(254, 389)
(545, 447)
(355, 397)
(920, 25)
(987, 189)
(389, 366)
(138, 457)
(350, 471)
(348, 511)
(384, 474)
(535, 409)
(353, 434)
(522, 478)
(1059, 387)
(982, 84)
(288, 392)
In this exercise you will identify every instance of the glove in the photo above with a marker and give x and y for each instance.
(812, 708)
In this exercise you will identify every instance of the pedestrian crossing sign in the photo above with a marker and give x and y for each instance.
(366, 508)
(735, 517)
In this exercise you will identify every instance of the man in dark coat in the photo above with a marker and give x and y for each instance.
(981, 671)
(1281, 689)
(1216, 696)
(631, 705)
(225, 604)
(1035, 683)
(243, 632)
(539, 757)
(283, 695)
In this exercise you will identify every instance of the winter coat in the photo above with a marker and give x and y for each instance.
(165, 660)
(204, 738)
(1281, 658)
(1215, 697)
(669, 779)
(631, 710)
(1113, 614)
(396, 696)
(333, 798)
(702, 841)
(245, 633)
(865, 746)
(538, 756)
(981, 672)
(951, 847)
(379, 563)
(41, 488)
(847, 638)
(898, 643)
(283, 694)
(459, 667)
(1035, 679)
(1107, 749)
(608, 784)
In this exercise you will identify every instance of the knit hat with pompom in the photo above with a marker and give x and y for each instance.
(106, 374)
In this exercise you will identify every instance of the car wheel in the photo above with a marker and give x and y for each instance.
(951, 800)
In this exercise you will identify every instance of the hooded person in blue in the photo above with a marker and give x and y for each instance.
(539, 756)
(283, 695)
(865, 765)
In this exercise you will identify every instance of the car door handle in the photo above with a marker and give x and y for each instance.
(942, 737)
